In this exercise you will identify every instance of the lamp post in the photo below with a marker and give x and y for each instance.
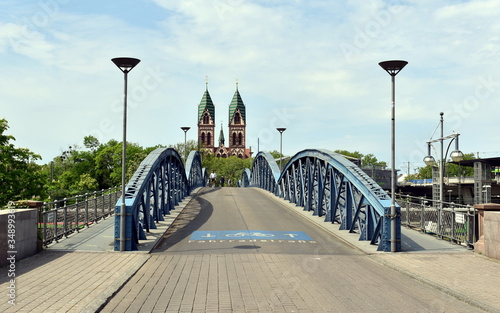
(393, 68)
(125, 65)
(456, 156)
(185, 129)
(281, 130)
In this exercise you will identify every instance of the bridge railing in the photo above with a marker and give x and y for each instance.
(158, 185)
(453, 222)
(61, 218)
(329, 185)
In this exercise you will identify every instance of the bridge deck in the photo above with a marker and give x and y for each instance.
(197, 272)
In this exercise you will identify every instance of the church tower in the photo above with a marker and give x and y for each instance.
(206, 122)
(237, 126)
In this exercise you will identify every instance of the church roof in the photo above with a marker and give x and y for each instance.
(237, 103)
(206, 103)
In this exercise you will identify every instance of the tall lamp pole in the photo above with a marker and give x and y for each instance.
(185, 129)
(456, 156)
(393, 68)
(125, 65)
(281, 130)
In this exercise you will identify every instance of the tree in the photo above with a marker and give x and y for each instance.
(276, 154)
(451, 170)
(20, 177)
(354, 154)
(108, 162)
(91, 142)
(229, 168)
(455, 170)
(368, 160)
(184, 150)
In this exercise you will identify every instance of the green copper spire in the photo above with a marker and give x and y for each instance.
(237, 103)
(206, 103)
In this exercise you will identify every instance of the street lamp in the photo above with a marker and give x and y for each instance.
(281, 130)
(456, 156)
(185, 129)
(393, 68)
(125, 65)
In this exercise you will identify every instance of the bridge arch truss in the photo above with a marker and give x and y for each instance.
(160, 182)
(332, 187)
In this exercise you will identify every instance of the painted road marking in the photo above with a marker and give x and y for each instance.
(252, 240)
(249, 234)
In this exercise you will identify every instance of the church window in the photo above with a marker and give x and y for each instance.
(234, 139)
(237, 118)
(206, 118)
(209, 139)
(240, 139)
(203, 138)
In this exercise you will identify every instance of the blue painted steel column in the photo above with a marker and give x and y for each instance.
(390, 226)
(130, 242)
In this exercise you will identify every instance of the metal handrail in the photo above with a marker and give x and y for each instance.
(61, 218)
(458, 222)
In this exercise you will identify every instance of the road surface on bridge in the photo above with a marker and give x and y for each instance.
(238, 250)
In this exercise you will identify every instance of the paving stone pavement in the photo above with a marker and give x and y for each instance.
(468, 276)
(274, 283)
(56, 281)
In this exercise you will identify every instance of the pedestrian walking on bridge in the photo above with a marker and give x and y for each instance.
(213, 177)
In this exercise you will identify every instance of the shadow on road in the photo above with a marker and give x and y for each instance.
(194, 215)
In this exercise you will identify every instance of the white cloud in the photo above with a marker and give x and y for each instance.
(318, 60)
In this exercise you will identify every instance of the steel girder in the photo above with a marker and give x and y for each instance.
(196, 175)
(329, 185)
(245, 178)
(160, 182)
(264, 173)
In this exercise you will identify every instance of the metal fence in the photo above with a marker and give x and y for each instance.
(449, 221)
(63, 217)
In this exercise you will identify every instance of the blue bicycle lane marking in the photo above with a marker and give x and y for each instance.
(249, 234)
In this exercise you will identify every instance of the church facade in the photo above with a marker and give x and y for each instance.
(237, 128)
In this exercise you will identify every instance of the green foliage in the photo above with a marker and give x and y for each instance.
(275, 154)
(20, 177)
(78, 171)
(451, 170)
(454, 170)
(229, 168)
(91, 142)
(184, 150)
(368, 160)
(354, 154)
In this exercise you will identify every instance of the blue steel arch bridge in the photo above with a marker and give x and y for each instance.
(320, 181)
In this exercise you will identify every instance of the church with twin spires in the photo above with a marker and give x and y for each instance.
(237, 128)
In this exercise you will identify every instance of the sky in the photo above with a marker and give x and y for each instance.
(310, 66)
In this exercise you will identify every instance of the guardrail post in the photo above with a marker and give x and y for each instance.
(471, 226)
(87, 209)
(44, 217)
(65, 217)
(110, 201)
(422, 214)
(408, 203)
(95, 207)
(453, 221)
(54, 222)
(103, 203)
(77, 220)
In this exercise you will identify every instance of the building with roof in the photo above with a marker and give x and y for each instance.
(237, 128)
